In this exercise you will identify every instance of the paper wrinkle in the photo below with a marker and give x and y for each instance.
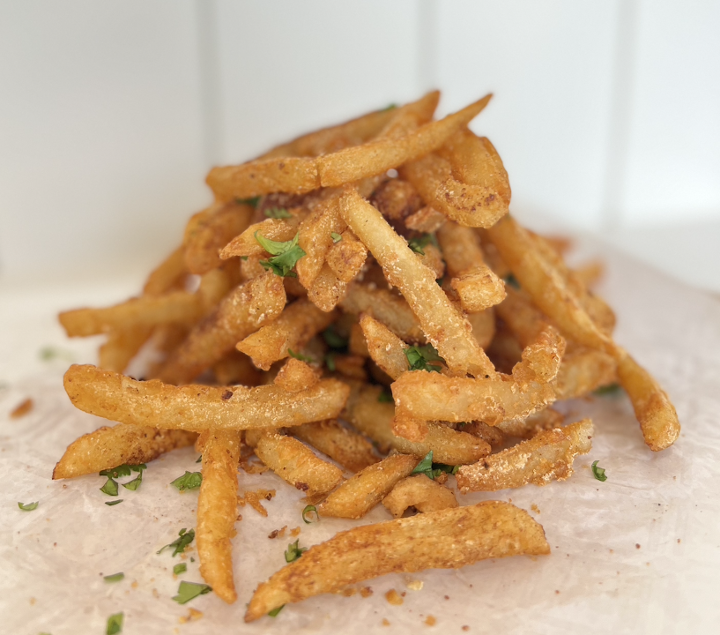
(668, 503)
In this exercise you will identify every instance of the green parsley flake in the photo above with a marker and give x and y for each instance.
(336, 238)
(330, 362)
(274, 612)
(179, 568)
(611, 390)
(512, 281)
(115, 624)
(179, 544)
(389, 107)
(310, 509)
(117, 502)
(134, 484)
(199, 460)
(28, 507)
(189, 480)
(252, 202)
(285, 255)
(419, 243)
(333, 339)
(49, 353)
(294, 551)
(598, 472)
(386, 396)
(110, 488)
(419, 358)
(300, 356)
(115, 577)
(190, 590)
(433, 470)
(277, 212)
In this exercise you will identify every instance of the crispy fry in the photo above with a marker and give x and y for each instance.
(420, 492)
(217, 509)
(426, 220)
(443, 325)
(296, 325)
(197, 408)
(295, 463)
(327, 290)
(247, 308)
(445, 539)
(121, 346)
(296, 375)
(348, 448)
(548, 456)
(358, 495)
(396, 199)
(584, 370)
(529, 426)
(348, 365)
(479, 289)
(386, 349)
(236, 368)
(346, 257)
(277, 229)
(109, 447)
(167, 274)
(483, 326)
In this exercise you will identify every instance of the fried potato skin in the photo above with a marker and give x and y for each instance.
(351, 450)
(109, 447)
(197, 408)
(217, 510)
(358, 495)
(446, 539)
(548, 456)
(420, 492)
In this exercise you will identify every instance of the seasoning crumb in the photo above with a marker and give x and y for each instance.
(295, 532)
(156, 594)
(134, 584)
(466, 627)
(430, 620)
(277, 533)
(193, 616)
(393, 597)
(32, 601)
(366, 591)
(348, 592)
(385, 622)
(678, 540)
(22, 409)
(415, 585)
(254, 497)
(447, 597)
(557, 592)
(535, 508)
(637, 545)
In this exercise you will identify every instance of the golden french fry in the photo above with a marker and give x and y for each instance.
(197, 408)
(357, 344)
(396, 199)
(446, 539)
(358, 495)
(491, 435)
(121, 346)
(236, 368)
(205, 239)
(216, 284)
(479, 289)
(386, 349)
(445, 327)
(584, 370)
(376, 157)
(349, 365)
(243, 311)
(483, 326)
(296, 375)
(529, 426)
(540, 360)
(426, 220)
(167, 274)
(217, 509)
(590, 272)
(277, 229)
(548, 456)
(327, 290)
(433, 260)
(146, 311)
(109, 447)
(346, 257)
(460, 248)
(350, 449)
(420, 492)
(521, 316)
(410, 116)
(296, 325)
(295, 463)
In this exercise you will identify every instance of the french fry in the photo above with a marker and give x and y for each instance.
(217, 509)
(349, 365)
(446, 539)
(295, 463)
(547, 457)
(109, 447)
(236, 368)
(296, 375)
(346, 257)
(350, 449)
(584, 370)
(521, 316)
(420, 492)
(460, 248)
(295, 326)
(491, 435)
(386, 349)
(246, 309)
(357, 344)
(121, 346)
(529, 426)
(396, 199)
(376, 157)
(167, 274)
(426, 220)
(327, 290)
(358, 495)
(197, 408)
(483, 326)
(277, 229)
(443, 325)
(216, 284)
(479, 289)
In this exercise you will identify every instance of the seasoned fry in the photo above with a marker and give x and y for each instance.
(346, 257)
(296, 375)
(483, 326)
(217, 509)
(479, 289)
(584, 370)
(295, 463)
(327, 290)
(167, 274)
(443, 325)
(386, 349)
(296, 325)
(529, 426)
(280, 230)
(548, 456)
(247, 308)
(420, 492)
(121, 346)
(109, 447)
(446, 539)
(357, 496)
(426, 220)
(197, 408)
(348, 448)
(236, 368)
(396, 199)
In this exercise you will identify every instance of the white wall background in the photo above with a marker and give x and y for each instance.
(606, 112)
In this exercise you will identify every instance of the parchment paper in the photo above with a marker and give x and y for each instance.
(639, 553)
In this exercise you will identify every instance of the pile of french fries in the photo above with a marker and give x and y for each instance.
(360, 311)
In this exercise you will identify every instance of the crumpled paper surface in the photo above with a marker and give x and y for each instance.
(638, 553)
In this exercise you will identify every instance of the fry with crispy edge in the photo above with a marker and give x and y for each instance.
(197, 408)
(217, 509)
(109, 447)
(420, 492)
(350, 449)
(548, 456)
(386, 349)
(446, 539)
(358, 495)
(444, 326)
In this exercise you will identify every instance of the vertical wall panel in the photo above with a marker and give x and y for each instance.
(674, 145)
(550, 66)
(100, 135)
(289, 67)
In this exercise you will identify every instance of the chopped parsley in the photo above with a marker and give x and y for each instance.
(512, 281)
(49, 353)
(277, 212)
(419, 358)
(28, 507)
(310, 509)
(178, 545)
(252, 202)
(336, 238)
(294, 551)
(189, 480)
(117, 502)
(330, 361)
(199, 459)
(611, 390)
(386, 396)
(598, 472)
(389, 107)
(190, 590)
(419, 243)
(274, 612)
(115, 577)
(284, 255)
(111, 487)
(300, 356)
(179, 568)
(114, 624)
(433, 470)
(333, 339)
